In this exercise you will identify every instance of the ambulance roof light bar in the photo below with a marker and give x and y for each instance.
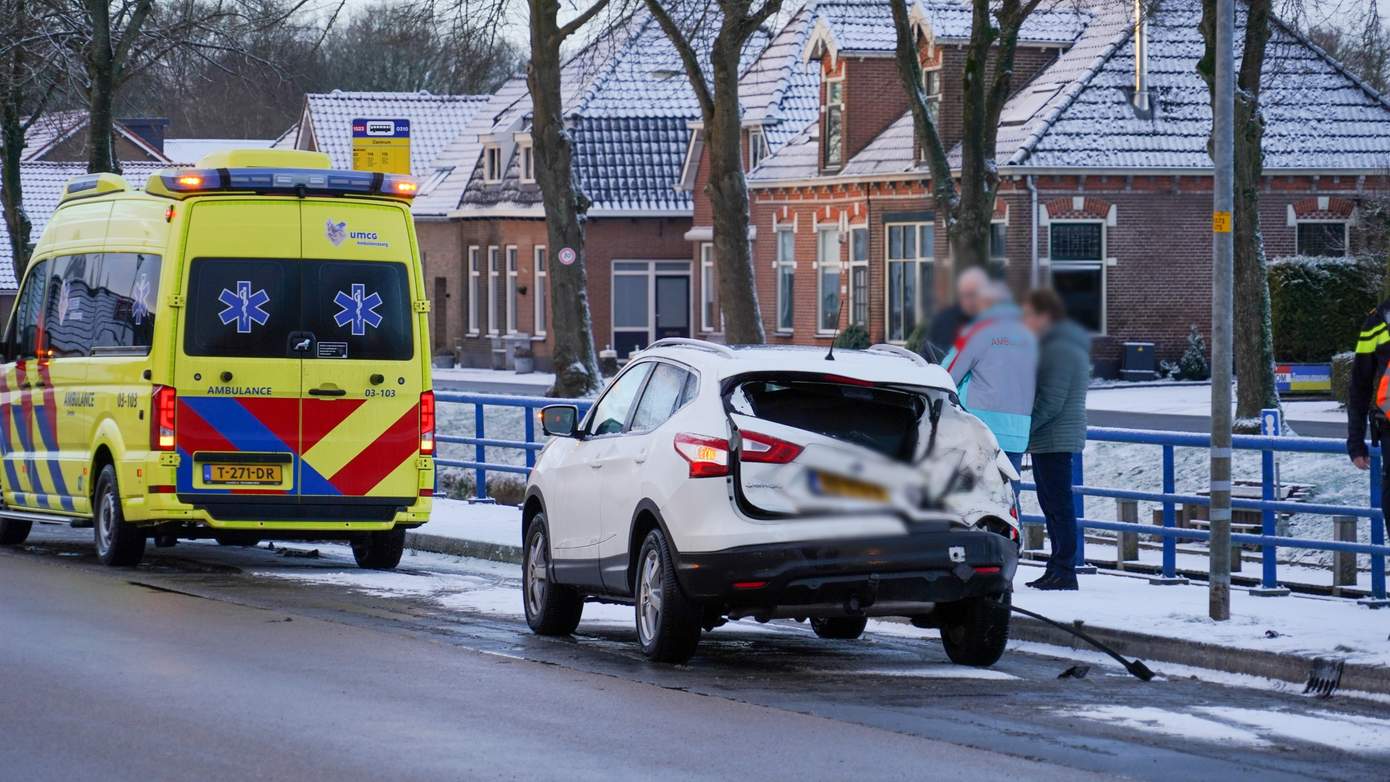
(294, 181)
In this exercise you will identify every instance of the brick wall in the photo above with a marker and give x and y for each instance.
(874, 99)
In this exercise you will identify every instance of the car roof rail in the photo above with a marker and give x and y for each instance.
(696, 344)
(900, 352)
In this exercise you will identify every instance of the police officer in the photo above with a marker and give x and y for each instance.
(1363, 404)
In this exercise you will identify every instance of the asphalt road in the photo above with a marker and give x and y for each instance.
(211, 663)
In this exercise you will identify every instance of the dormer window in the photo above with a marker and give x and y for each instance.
(834, 123)
(757, 148)
(931, 87)
(527, 163)
(492, 163)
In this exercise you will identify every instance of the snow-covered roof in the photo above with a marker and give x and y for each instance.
(43, 184)
(54, 127)
(193, 149)
(1317, 116)
(628, 105)
(435, 121)
(780, 90)
(1076, 113)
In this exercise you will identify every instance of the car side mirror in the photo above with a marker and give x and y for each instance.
(560, 420)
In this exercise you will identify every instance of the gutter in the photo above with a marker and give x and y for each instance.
(1034, 270)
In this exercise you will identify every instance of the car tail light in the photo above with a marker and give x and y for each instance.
(708, 456)
(847, 381)
(767, 449)
(162, 403)
(427, 423)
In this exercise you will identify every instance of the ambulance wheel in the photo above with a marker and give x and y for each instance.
(118, 544)
(379, 550)
(236, 539)
(14, 532)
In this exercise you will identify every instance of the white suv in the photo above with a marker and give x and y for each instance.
(711, 483)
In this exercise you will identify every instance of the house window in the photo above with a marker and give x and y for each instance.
(528, 163)
(998, 240)
(1077, 251)
(834, 123)
(1322, 239)
(757, 147)
(707, 287)
(511, 289)
(492, 163)
(541, 294)
(859, 276)
(827, 280)
(495, 281)
(786, 278)
(474, 275)
(931, 87)
(910, 277)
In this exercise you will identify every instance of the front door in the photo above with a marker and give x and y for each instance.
(651, 300)
(672, 306)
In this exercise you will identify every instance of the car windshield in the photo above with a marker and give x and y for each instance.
(881, 419)
(250, 307)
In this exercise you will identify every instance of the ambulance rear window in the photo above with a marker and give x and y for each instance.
(257, 307)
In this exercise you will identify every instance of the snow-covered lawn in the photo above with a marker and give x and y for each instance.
(1294, 624)
(1196, 400)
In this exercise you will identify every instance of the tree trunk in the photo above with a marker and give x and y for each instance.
(1254, 338)
(101, 153)
(576, 366)
(11, 189)
(728, 192)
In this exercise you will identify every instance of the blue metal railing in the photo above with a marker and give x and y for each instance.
(1168, 498)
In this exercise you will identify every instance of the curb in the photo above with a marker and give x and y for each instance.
(439, 544)
(1291, 668)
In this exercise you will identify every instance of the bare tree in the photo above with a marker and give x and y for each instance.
(1365, 53)
(1254, 338)
(28, 80)
(987, 83)
(576, 366)
(720, 114)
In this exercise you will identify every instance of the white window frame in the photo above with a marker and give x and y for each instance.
(990, 249)
(526, 163)
(839, 163)
(1346, 236)
(708, 302)
(856, 264)
(513, 264)
(933, 97)
(779, 265)
(474, 280)
(828, 235)
(1103, 265)
(757, 147)
(924, 256)
(540, 282)
(492, 163)
(494, 269)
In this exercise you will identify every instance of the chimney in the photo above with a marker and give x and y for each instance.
(150, 129)
(1141, 58)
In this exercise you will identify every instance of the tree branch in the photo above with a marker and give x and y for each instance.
(579, 21)
(689, 58)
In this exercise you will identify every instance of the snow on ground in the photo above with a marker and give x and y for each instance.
(482, 522)
(1245, 727)
(542, 380)
(1196, 400)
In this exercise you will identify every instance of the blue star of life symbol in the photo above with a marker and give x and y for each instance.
(244, 307)
(359, 309)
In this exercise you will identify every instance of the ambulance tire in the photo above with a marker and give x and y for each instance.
(379, 550)
(118, 544)
(839, 628)
(237, 539)
(14, 532)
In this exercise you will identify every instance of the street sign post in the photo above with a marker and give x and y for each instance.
(381, 145)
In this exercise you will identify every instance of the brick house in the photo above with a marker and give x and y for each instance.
(1105, 196)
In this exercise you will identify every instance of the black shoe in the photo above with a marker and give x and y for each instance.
(1046, 576)
(1060, 582)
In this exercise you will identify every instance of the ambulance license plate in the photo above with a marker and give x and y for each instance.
(242, 474)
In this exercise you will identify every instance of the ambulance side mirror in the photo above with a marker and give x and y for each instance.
(559, 420)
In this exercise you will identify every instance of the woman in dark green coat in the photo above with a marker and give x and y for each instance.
(1058, 434)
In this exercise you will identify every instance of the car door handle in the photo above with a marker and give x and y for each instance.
(328, 391)
(595, 465)
(641, 458)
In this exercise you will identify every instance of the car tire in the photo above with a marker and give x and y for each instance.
(119, 544)
(379, 550)
(976, 630)
(668, 622)
(551, 608)
(237, 539)
(839, 628)
(14, 532)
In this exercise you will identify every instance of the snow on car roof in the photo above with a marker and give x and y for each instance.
(880, 364)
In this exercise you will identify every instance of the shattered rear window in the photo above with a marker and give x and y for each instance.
(883, 420)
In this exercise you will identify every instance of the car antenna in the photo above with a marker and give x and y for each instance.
(830, 354)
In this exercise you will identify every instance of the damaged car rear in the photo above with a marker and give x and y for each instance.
(827, 490)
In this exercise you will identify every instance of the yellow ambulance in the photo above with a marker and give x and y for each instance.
(238, 351)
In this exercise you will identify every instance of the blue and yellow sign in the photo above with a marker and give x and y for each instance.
(1303, 378)
(381, 145)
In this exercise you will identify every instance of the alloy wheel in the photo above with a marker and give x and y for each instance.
(649, 596)
(537, 574)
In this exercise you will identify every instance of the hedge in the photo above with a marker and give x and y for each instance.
(1319, 304)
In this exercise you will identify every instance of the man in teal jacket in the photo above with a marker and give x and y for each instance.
(995, 362)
